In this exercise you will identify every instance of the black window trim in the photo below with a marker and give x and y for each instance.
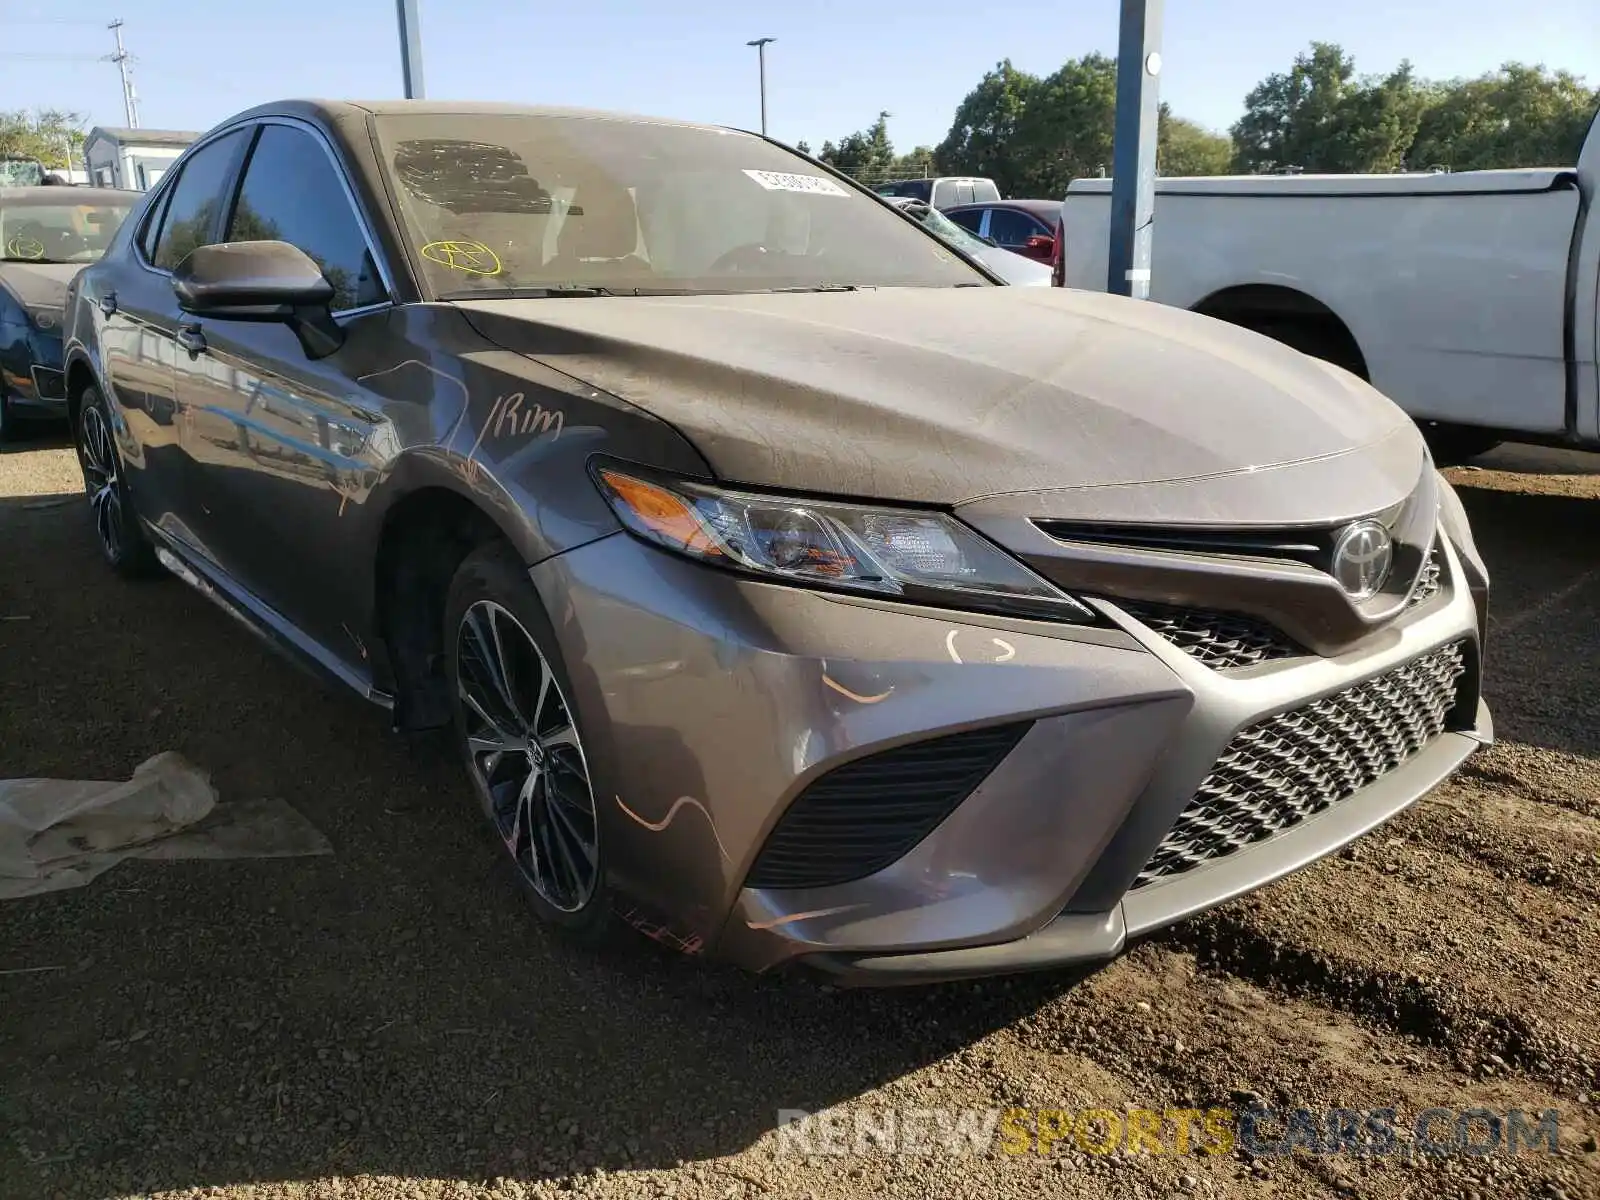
(235, 182)
(170, 181)
(362, 224)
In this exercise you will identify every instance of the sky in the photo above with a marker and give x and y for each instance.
(833, 67)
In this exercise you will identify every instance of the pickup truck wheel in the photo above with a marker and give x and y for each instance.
(1455, 444)
(1308, 338)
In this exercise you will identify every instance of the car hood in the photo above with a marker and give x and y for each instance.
(943, 396)
(1016, 269)
(39, 285)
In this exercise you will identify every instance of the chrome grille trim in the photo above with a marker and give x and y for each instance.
(1222, 641)
(1430, 580)
(1287, 768)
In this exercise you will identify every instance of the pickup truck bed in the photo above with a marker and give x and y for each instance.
(1469, 298)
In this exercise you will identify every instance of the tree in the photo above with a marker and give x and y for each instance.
(1066, 128)
(1518, 116)
(1185, 148)
(983, 136)
(866, 156)
(52, 136)
(1319, 116)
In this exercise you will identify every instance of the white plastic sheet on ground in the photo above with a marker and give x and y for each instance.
(61, 833)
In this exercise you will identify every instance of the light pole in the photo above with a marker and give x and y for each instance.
(410, 48)
(761, 52)
(1133, 152)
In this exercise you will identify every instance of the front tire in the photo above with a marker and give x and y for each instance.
(122, 539)
(520, 741)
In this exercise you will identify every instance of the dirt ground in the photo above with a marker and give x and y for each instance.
(387, 1022)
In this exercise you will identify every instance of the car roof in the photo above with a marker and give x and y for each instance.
(1045, 210)
(64, 193)
(339, 112)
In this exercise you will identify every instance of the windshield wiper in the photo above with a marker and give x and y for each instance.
(526, 293)
(52, 262)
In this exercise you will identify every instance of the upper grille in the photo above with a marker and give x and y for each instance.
(1223, 641)
(859, 818)
(1278, 772)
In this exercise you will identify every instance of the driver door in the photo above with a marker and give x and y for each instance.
(283, 444)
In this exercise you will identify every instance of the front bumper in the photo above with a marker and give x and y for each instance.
(710, 703)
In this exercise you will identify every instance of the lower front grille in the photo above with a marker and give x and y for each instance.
(1430, 580)
(859, 818)
(1222, 641)
(1280, 771)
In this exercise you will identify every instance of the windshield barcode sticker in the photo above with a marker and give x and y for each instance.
(778, 181)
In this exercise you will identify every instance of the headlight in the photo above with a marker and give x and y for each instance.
(920, 556)
(46, 320)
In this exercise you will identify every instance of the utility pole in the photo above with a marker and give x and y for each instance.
(761, 52)
(1133, 153)
(410, 48)
(130, 99)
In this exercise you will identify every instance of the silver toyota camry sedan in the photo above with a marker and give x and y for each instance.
(796, 593)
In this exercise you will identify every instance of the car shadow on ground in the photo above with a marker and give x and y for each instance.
(392, 1009)
(29, 436)
(1543, 553)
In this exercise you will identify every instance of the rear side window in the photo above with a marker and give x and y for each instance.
(944, 194)
(192, 212)
(984, 191)
(292, 193)
(964, 193)
(152, 227)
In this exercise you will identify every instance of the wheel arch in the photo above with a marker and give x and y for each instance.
(1275, 309)
(429, 521)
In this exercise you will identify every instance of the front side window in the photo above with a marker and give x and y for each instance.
(191, 214)
(59, 233)
(970, 219)
(1011, 228)
(292, 193)
(493, 204)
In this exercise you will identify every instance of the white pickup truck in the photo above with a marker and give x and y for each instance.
(1470, 299)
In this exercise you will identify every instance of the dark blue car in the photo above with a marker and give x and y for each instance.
(47, 235)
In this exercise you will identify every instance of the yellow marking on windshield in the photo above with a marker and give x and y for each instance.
(472, 257)
(24, 247)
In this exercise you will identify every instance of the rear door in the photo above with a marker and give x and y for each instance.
(286, 444)
(139, 317)
(1012, 229)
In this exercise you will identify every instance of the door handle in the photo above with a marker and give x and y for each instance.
(108, 303)
(190, 338)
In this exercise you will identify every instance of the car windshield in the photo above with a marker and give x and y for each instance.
(516, 203)
(934, 220)
(61, 233)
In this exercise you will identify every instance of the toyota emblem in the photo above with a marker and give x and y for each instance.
(1362, 558)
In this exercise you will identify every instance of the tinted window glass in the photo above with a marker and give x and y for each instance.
(152, 227)
(192, 211)
(968, 220)
(292, 193)
(964, 193)
(945, 194)
(984, 190)
(1012, 228)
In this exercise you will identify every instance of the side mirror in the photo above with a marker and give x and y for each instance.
(260, 281)
(1041, 246)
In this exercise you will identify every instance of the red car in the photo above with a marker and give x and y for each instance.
(1026, 227)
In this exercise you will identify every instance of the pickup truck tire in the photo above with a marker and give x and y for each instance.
(1455, 444)
(1331, 345)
